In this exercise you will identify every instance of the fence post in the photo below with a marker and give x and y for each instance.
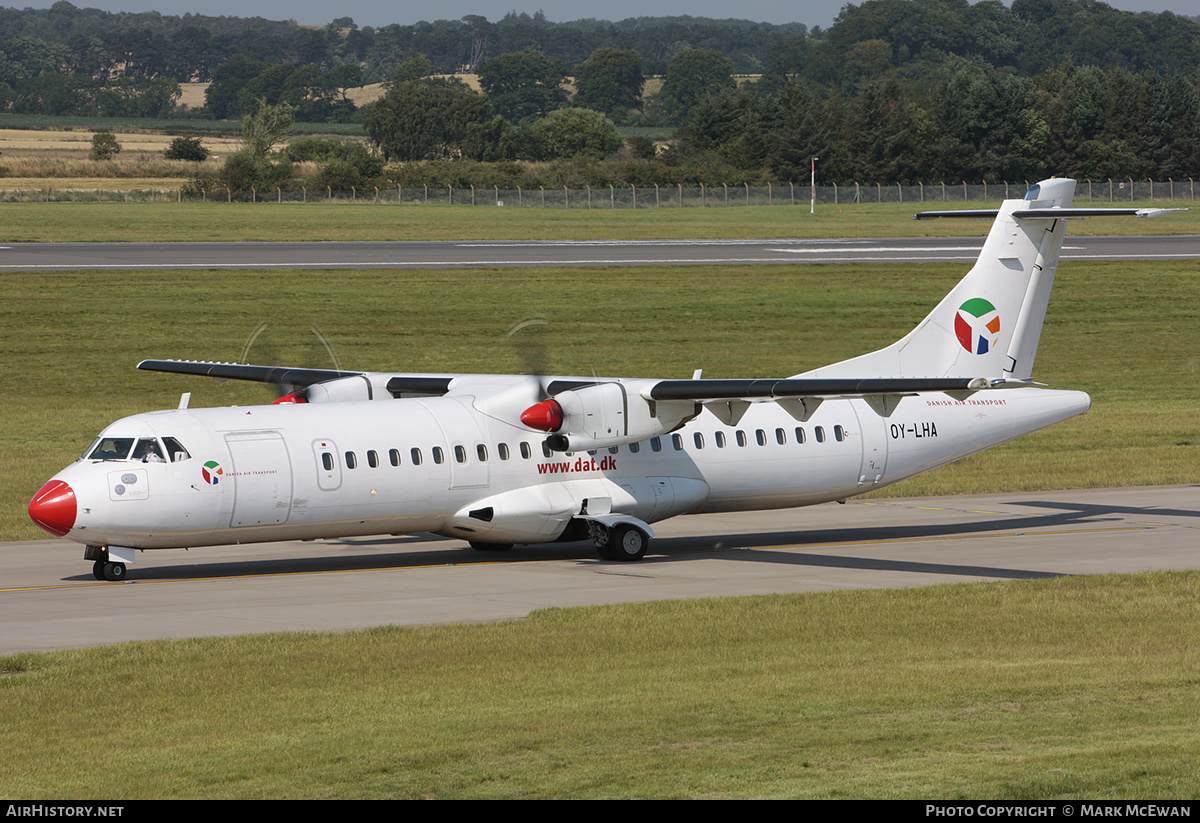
(589, 193)
(747, 185)
(703, 201)
(497, 188)
(792, 186)
(304, 194)
(472, 194)
(450, 195)
(329, 193)
(543, 188)
(253, 195)
(520, 197)
(278, 194)
(634, 194)
(900, 192)
(427, 194)
(656, 201)
(1130, 189)
(726, 185)
(612, 196)
(835, 194)
(878, 192)
(228, 194)
(566, 198)
(681, 195)
(770, 193)
(377, 195)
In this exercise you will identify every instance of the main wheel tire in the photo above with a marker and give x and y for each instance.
(114, 572)
(98, 570)
(627, 542)
(480, 546)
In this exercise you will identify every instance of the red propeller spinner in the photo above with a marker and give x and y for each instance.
(546, 416)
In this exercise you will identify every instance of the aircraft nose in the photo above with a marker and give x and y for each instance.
(53, 508)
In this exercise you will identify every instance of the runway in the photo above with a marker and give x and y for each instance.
(33, 257)
(51, 601)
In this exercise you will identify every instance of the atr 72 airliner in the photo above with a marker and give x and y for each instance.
(499, 460)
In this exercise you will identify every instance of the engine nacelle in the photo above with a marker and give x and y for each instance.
(606, 414)
(348, 390)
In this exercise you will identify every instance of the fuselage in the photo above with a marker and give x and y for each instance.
(452, 466)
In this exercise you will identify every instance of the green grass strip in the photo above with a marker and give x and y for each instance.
(1068, 688)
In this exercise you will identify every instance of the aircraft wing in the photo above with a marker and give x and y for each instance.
(702, 390)
(396, 384)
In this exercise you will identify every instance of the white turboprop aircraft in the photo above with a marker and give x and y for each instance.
(503, 459)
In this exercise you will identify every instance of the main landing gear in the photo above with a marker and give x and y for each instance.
(622, 541)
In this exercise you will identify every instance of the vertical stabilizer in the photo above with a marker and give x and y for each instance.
(989, 324)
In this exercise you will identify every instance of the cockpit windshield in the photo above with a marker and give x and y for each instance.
(146, 450)
(111, 448)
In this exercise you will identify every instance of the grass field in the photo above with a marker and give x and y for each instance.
(1069, 688)
(182, 222)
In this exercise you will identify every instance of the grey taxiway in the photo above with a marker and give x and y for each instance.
(50, 599)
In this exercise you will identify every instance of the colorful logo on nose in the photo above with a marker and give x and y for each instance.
(212, 472)
(977, 325)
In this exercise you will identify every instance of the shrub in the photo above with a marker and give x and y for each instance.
(186, 148)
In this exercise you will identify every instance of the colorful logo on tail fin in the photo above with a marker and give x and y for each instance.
(977, 325)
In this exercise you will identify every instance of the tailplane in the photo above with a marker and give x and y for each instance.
(990, 323)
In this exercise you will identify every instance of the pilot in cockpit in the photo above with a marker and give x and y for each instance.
(148, 451)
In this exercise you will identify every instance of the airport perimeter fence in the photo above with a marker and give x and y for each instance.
(626, 197)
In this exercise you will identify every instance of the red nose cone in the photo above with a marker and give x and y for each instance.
(546, 416)
(53, 508)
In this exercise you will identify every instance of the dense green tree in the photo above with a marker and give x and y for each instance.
(524, 84)
(222, 95)
(691, 76)
(574, 132)
(610, 80)
(104, 146)
(426, 119)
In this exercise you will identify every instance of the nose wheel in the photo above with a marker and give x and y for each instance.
(105, 570)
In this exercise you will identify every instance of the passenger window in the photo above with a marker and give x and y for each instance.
(545, 450)
(415, 454)
(175, 450)
(502, 450)
(613, 449)
(800, 434)
(394, 456)
(741, 438)
(438, 456)
(351, 460)
(677, 442)
(373, 459)
(481, 452)
(526, 452)
(820, 432)
(634, 447)
(780, 437)
(655, 444)
(698, 439)
(327, 461)
(460, 454)
(720, 438)
(839, 434)
(760, 436)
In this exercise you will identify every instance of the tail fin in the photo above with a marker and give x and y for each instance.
(990, 323)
